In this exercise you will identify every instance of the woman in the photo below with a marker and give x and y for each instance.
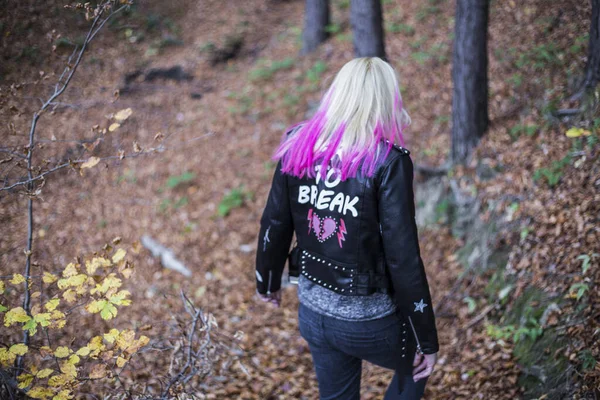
(343, 185)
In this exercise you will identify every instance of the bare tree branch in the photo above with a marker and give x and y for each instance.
(114, 157)
(198, 316)
(58, 90)
(12, 152)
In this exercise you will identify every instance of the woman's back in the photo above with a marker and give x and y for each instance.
(346, 190)
(338, 221)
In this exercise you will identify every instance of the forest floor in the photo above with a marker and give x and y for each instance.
(220, 129)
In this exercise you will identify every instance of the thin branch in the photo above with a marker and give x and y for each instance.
(482, 315)
(65, 70)
(130, 155)
(9, 383)
(190, 354)
(107, 18)
(77, 141)
(50, 345)
(567, 112)
(31, 146)
(12, 152)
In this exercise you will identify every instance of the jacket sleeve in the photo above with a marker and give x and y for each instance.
(402, 253)
(275, 236)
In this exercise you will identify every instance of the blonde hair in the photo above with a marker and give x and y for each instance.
(361, 108)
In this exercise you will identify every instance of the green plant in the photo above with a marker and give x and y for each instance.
(290, 100)
(497, 282)
(168, 203)
(268, 69)
(578, 290)
(504, 292)
(441, 210)
(189, 228)
(430, 151)
(587, 261)
(164, 205)
(269, 165)
(579, 44)
(421, 57)
(207, 47)
(405, 29)
(588, 362)
(531, 330)
(497, 332)
(244, 105)
(516, 79)
(343, 4)
(577, 144)
(182, 201)
(539, 57)
(549, 109)
(441, 119)
(524, 233)
(426, 11)
(553, 173)
(174, 181)
(296, 33)
(519, 129)
(333, 28)
(418, 43)
(233, 199)
(439, 52)
(127, 176)
(344, 37)
(500, 54)
(315, 72)
(592, 140)
(471, 304)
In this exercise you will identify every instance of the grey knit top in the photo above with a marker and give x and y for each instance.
(352, 308)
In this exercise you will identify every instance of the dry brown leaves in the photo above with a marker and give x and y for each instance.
(131, 198)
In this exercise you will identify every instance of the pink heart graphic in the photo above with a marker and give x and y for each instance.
(323, 228)
(328, 229)
(316, 224)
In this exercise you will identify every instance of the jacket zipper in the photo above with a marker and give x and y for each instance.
(269, 284)
(416, 337)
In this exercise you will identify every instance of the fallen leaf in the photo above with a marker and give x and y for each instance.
(91, 162)
(123, 114)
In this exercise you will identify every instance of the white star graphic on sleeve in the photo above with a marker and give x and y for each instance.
(420, 306)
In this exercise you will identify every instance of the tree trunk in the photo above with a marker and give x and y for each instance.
(316, 19)
(367, 28)
(469, 74)
(592, 69)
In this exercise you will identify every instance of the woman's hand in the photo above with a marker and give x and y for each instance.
(423, 365)
(273, 298)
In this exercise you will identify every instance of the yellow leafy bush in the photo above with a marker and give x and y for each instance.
(96, 283)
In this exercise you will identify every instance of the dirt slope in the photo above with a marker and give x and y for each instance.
(220, 129)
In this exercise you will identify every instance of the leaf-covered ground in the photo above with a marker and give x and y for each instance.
(219, 131)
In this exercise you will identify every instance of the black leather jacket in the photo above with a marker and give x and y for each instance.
(365, 223)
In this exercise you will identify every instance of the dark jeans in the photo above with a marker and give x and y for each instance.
(338, 348)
